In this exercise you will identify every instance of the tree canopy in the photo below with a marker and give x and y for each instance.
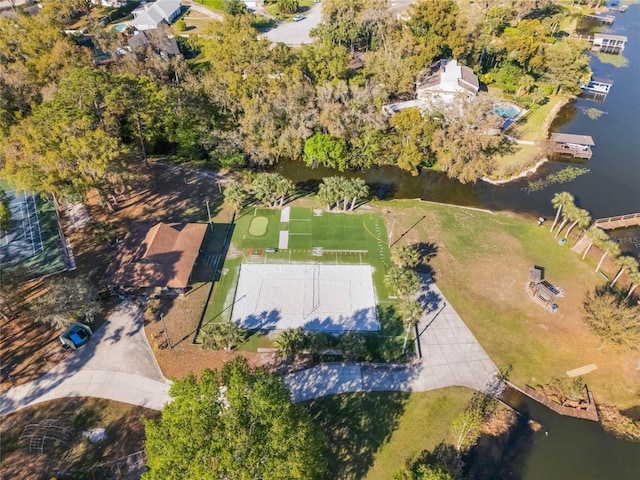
(69, 125)
(236, 423)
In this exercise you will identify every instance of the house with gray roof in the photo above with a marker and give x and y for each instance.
(443, 87)
(151, 15)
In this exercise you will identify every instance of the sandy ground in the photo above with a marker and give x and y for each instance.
(316, 297)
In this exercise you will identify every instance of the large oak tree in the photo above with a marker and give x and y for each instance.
(237, 423)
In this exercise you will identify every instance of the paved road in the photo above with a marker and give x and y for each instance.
(296, 33)
(197, 7)
(451, 356)
(117, 364)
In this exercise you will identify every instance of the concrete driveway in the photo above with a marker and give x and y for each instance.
(451, 356)
(117, 364)
(296, 33)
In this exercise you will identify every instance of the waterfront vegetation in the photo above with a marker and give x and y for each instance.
(371, 435)
(562, 176)
(241, 103)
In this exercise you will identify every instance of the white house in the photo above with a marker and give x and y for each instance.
(151, 15)
(443, 87)
(448, 80)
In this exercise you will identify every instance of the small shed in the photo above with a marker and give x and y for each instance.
(535, 276)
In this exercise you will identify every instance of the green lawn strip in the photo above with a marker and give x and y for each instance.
(300, 213)
(531, 127)
(213, 4)
(300, 226)
(370, 435)
(256, 341)
(219, 306)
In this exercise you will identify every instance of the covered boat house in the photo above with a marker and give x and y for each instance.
(577, 146)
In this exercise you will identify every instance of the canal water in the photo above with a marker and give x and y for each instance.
(612, 186)
(564, 448)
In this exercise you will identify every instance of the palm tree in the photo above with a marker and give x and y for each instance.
(358, 190)
(403, 281)
(411, 313)
(627, 264)
(596, 236)
(559, 201)
(226, 335)
(568, 213)
(634, 278)
(331, 191)
(290, 342)
(609, 248)
(406, 256)
(580, 217)
(236, 196)
(284, 188)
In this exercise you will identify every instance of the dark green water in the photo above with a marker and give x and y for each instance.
(612, 187)
(564, 448)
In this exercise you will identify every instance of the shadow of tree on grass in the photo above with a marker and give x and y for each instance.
(356, 425)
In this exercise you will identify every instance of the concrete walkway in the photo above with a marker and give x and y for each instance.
(117, 364)
(451, 356)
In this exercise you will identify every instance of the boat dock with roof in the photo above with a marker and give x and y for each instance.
(577, 146)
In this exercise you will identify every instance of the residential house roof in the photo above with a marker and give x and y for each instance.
(448, 76)
(156, 38)
(150, 15)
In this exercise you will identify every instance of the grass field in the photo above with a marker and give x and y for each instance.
(371, 435)
(356, 238)
(481, 264)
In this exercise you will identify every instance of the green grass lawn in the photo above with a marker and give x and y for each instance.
(481, 265)
(534, 126)
(370, 435)
(274, 9)
(243, 239)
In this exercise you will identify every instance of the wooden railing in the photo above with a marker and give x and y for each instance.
(610, 223)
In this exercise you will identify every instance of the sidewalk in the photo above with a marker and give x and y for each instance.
(118, 364)
(451, 356)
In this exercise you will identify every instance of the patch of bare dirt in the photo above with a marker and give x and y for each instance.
(76, 457)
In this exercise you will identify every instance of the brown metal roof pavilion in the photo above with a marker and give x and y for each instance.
(162, 255)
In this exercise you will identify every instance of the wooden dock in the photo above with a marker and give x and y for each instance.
(621, 221)
(585, 411)
(604, 19)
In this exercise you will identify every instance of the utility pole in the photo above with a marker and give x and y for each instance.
(209, 213)
(166, 333)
